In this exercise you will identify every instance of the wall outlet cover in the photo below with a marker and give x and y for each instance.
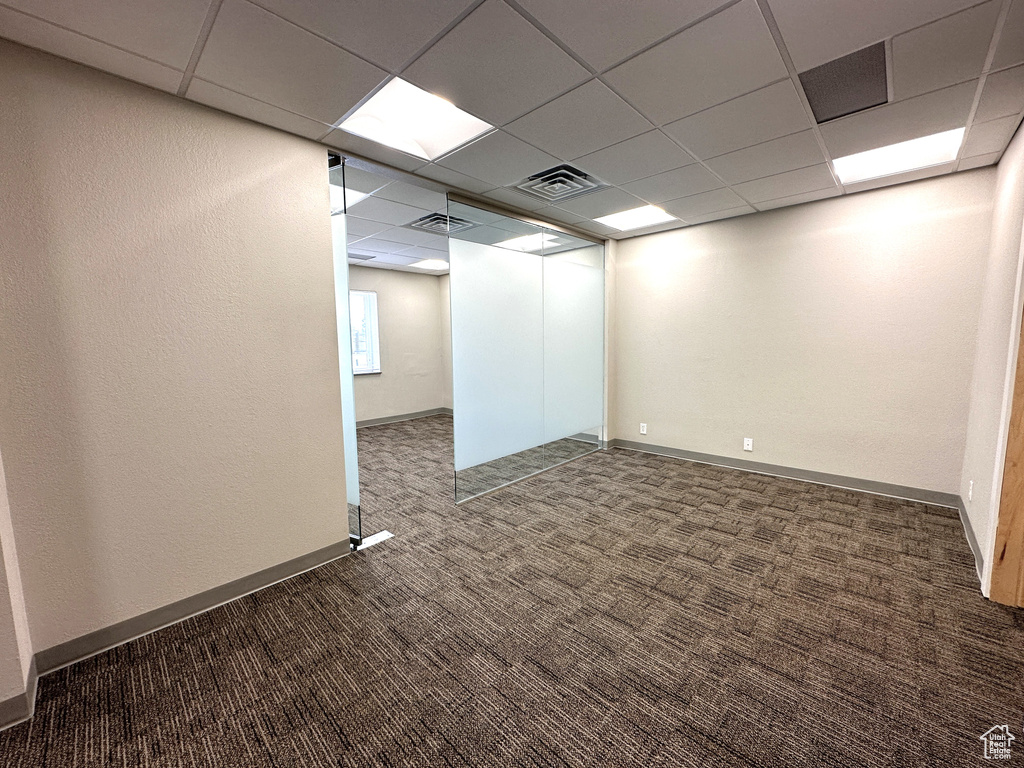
(643, 428)
(748, 443)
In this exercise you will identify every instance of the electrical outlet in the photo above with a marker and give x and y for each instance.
(970, 490)
(748, 443)
(643, 428)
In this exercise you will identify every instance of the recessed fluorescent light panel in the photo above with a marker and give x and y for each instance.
(910, 155)
(529, 243)
(432, 264)
(339, 194)
(407, 118)
(644, 216)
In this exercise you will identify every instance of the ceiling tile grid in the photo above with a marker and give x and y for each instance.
(695, 106)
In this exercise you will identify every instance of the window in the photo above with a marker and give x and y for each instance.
(362, 307)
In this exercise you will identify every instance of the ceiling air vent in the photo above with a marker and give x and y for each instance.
(559, 183)
(849, 84)
(442, 224)
(361, 256)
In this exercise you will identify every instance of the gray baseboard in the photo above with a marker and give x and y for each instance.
(403, 417)
(20, 708)
(972, 540)
(938, 498)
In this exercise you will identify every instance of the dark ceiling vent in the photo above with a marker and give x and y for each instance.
(849, 84)
(442, 224)
(559, 183)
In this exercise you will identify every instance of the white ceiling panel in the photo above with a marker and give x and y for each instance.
(992, 136)
(605, 33)
(359, 180)
(944, 52)
(817, 31)
(978, 161)
(499, 159)
(901, 178)
(415, 237)
(597, 229)
(653, 230)
(730, 54)
(162, 31)
(1003, 95)
(244, 106)
(361, 228)
(419, 252)
(496, 65)
(602, 203)
(728, 213)
(454, 178)
(410, 194)
(584, 120)
(387, 32)
(681, 182)
(1010, 50)
(810, 179)
(643, 155)
(757, 117)
(806, 197)
(254, 52)
(704, 203)
(798, 150)
(371, 150)
(901, 121)
(515, 199)
(387, 211)
(378, 245)
(558, 215)
(36, 33)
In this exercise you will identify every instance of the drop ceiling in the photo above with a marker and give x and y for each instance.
(694, 106)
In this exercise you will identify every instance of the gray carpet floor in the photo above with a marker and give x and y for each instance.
(623, 609)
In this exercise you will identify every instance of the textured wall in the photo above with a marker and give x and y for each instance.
(839, 335)
(15, 644)
(412, 364)
(996, 354)
(170, 414)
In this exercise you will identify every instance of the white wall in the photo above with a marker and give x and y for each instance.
(171, 416)
(839, 335)
(445, 285)
(996, 354)
(414, 347)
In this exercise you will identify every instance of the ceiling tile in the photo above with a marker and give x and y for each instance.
(557, 214)
(978, 161)
(806, 197)
(359, 180)
(419, 252)
(597, 229)
(453, 179)
(901, 121)
(496, 65)
(378, 245)
(410, 194)
(515, 199)
(584, 120)
(499, 159)
(385, 211)
(585, 25)
(364, 227)
(674, 184)
(707, 202)
(653, 230)
(798, 150)
(387, 32)
(817, 32)
(752, 119)
(635, 158)
(254, 52)
(1002, 95)
(601, 203)
(35, 33)
(371, 150)
(725, 56)
(1010, 49)
(419, 237)
(244, 106)
(944, 52)
(810, 179)
(728, 213)
(992, 136)
(162, 31)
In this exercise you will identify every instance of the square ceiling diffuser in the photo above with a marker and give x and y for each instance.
(849, 84)
(563, 182)
(409, 119)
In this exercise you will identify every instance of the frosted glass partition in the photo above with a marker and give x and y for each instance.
(527, 308)
(348, 405)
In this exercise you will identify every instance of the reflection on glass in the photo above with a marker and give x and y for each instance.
(527, 348)
(365, 335)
